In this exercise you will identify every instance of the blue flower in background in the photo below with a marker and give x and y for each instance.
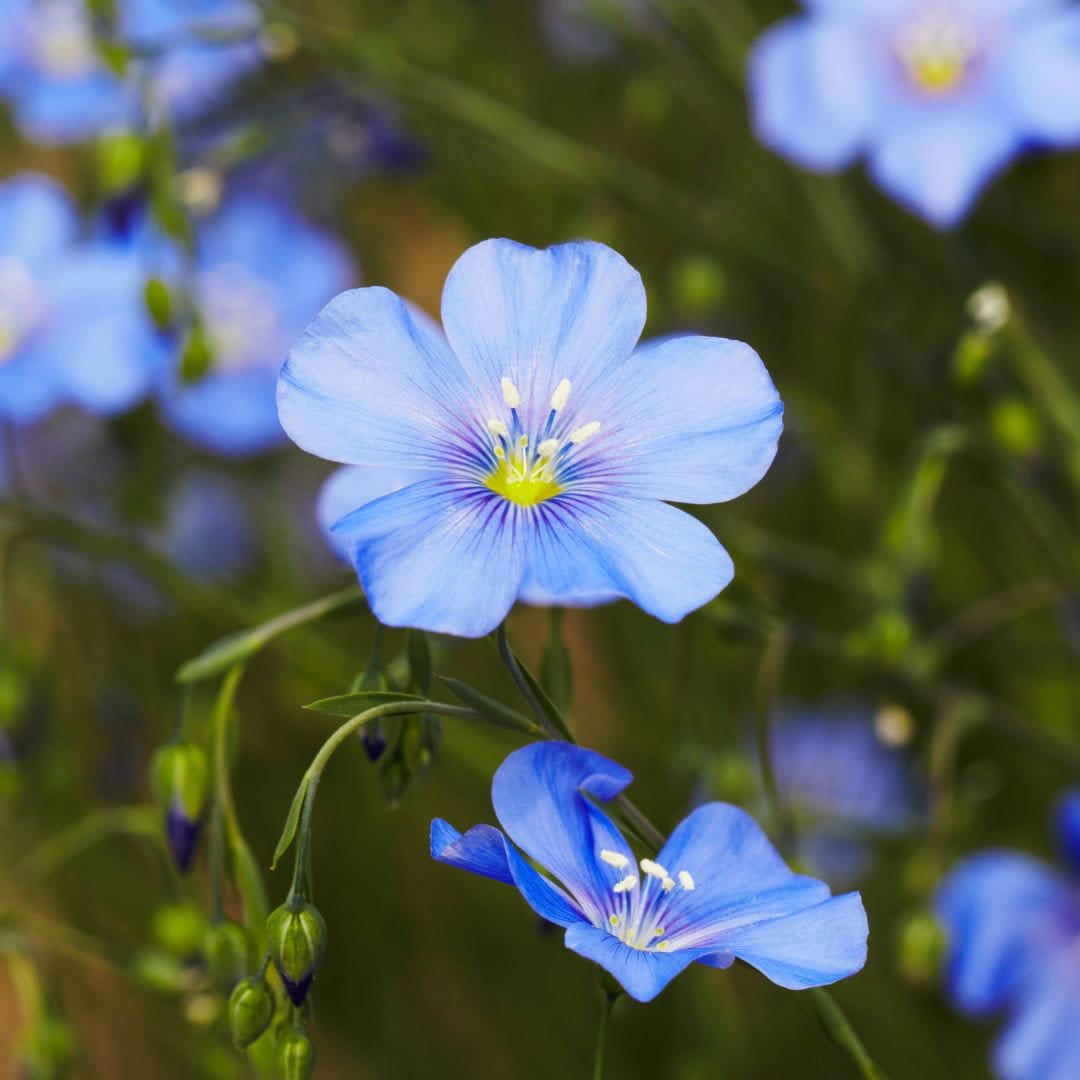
(1013, 931)
(61, 90)
(538, 440)
(845, 785)
(73, 324)
(717, 892)
(262, 273)
(938, 94)
(576, 28)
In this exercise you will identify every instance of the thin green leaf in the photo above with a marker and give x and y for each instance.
(546, 704)
(291, 822)
(350, 705)
(495, 711)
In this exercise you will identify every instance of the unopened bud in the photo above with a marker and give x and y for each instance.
(297, 941)
(226, 948)
(180, 774)
(251, 1008)
(296, 1056)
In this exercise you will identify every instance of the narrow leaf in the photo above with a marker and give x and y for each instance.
(291, 822)
(350, 705)
(492, 710)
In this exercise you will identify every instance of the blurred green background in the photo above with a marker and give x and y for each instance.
(913, 546)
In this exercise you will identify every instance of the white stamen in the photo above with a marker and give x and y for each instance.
(668, 884)
(626, 884)
(498, 429)
(547, 448)
(510, 393)
(653, 869)
(561, 395)
(614, 858)
(584, 433)
(686, 881)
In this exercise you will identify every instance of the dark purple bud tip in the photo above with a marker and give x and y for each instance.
(297, 991)
(374, 743)
(183, 836)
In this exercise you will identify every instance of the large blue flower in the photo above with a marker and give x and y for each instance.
(939, 94)
(538, 443)
(73, 325)
(262, 273)
(717, 892)
(1013, 930)
(62, 90)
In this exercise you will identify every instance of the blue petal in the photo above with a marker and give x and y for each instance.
(485, 851)
(937, 163)
(1040, 74)
(811, 91)
(587, 548)
(1067, 826)
(1042, 1042)
(347, 489)
(641, 974)
(999, 910)
(372, 382)
(482, 850)
(37, 219)
(28, 388)
(812, 947)
(697, 420)
(64, 112)
(537, 317)
(537, 795)
(230, 413)
(437, 556)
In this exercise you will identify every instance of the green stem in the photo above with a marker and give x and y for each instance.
(770, 674)
(601, 1035)
(507, 656)
(831, 1017)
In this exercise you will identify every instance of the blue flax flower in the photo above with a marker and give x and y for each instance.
(717, 892)
(939, 94)
(73, 324)
(526, 453)
(262, 273)
(1013, 930)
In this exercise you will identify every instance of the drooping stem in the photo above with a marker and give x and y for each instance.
(601, 1034)
(507, 656)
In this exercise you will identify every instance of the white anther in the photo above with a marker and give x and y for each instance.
(614, 858)
(626, 884)
(498, 429)
(510, 393)
(584, 433)
(668, 884)
(686, 881)
(653, 869)
(561, 395)
(547, 448)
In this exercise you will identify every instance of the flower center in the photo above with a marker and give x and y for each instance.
(20, 306)
(938, 53)
(239, 311)
(530, 468)
(62, 42)
(638, 920)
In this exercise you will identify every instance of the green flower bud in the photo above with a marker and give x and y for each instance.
(296, 1056)
(226, 948)
(297, 941)
(180, 928)
(251, 1008)
(921, 948)
(180, 773)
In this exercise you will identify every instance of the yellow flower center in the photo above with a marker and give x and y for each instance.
(938, 53)
(528, 490)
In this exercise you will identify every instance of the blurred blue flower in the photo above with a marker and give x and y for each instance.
(717, 892)
(1013, 931)
(262, 273)
(577, 28)
(73, 324)
(61, 90)
(939, 94)
(844, 784)
(537, 439)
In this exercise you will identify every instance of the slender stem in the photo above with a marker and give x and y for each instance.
(831, 1017)
(512, 665)
(601, 1035)
(770, 674)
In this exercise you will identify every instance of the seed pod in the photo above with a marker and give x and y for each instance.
(251, 1008)
(297, 941)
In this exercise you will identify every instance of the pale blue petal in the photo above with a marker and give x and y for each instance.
(233, 413)
(1042, 1042)
(692, 420)
(371, 383)
(540, 316)
(28, 388)
(537, 795)
(1039, 79)
(936, 164)
(438, 556)
(811, 91)
(64, 112)
(37, 219)
(587, 548)
(1000, 910)
(813, 947)
(481, 850)
(1067, 826)
(350, 487)
(641, 974)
